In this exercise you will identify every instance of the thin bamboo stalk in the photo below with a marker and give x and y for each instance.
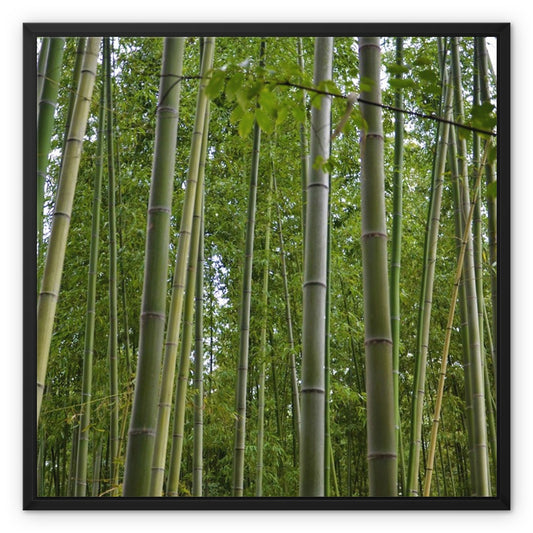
(141, 434)
(97, 464)
(47, 101)
(263, 347)
(87, 371)
(479, 450)
(492, 204)
(304, 150)
(396, 254)
(186, 337)
(114, 435)
(242, 371)
(199, 367)
(426, 296)
(288, 317)
(51, 281)
(185, 245)
(41, 67)
(447, 339)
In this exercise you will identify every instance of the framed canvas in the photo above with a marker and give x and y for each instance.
(271, 266)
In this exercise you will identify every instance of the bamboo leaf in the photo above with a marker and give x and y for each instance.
(264, 120)
(246, 123)
(216, 84)
(492, 189)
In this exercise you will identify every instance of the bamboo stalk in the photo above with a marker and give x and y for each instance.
(199, 367)
(447, 339)
(87, 371)
(186, 337)
(426, 295)
(47, 101)
(382, 454)
(288, 318)
(315, 287)
(263, 347)
(492, 206)
(396, 254)
(179, 282)
(141, 434)
(114, 434)
(41, 68)
(479, 450)
(51, 281)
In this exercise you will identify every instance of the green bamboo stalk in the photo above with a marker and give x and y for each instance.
(51, 281)
(382, 456)
(41, 67)
(74, 83)
(178, 285)
(141, 434)
(71, 482)
(263, 348)
(492, 211)
(97, 464)
(242, 372)
(288, 318)
(447, 339)
(304, 150)
(328, 450)
(315, 287)
(86, 390)
(114, 435)
(396, 254)
(186, 337)
(459, 230)
(45, 120)
(199, 366)
(41, 461)
(426, 295)
(333, 470)
(480, 463)
(477, 231)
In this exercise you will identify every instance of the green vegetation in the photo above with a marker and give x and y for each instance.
(221, 307)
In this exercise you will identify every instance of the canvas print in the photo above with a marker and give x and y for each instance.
(267, 267)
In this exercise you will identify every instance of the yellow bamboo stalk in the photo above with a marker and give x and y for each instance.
(444, 362)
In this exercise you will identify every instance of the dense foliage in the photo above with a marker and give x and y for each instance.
(277, 96)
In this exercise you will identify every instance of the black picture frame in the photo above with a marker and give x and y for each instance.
(502, 32)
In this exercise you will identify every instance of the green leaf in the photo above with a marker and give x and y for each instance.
(318, 163)
(394, 69)
(234, 85)
(406, 83)
(427, 75)
(492, 189)
(328, 86)
(242, 99)
(483, 116)
(216, 84)
(316, 100)
(267, 100)
(299, 113)
(254, 89)
(236, 115)
(246, 123)
(423, 61)
(366, 84)
(264, 120)
(281, 114)
(493, 153)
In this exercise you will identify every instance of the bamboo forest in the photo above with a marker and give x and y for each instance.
(267, 266)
